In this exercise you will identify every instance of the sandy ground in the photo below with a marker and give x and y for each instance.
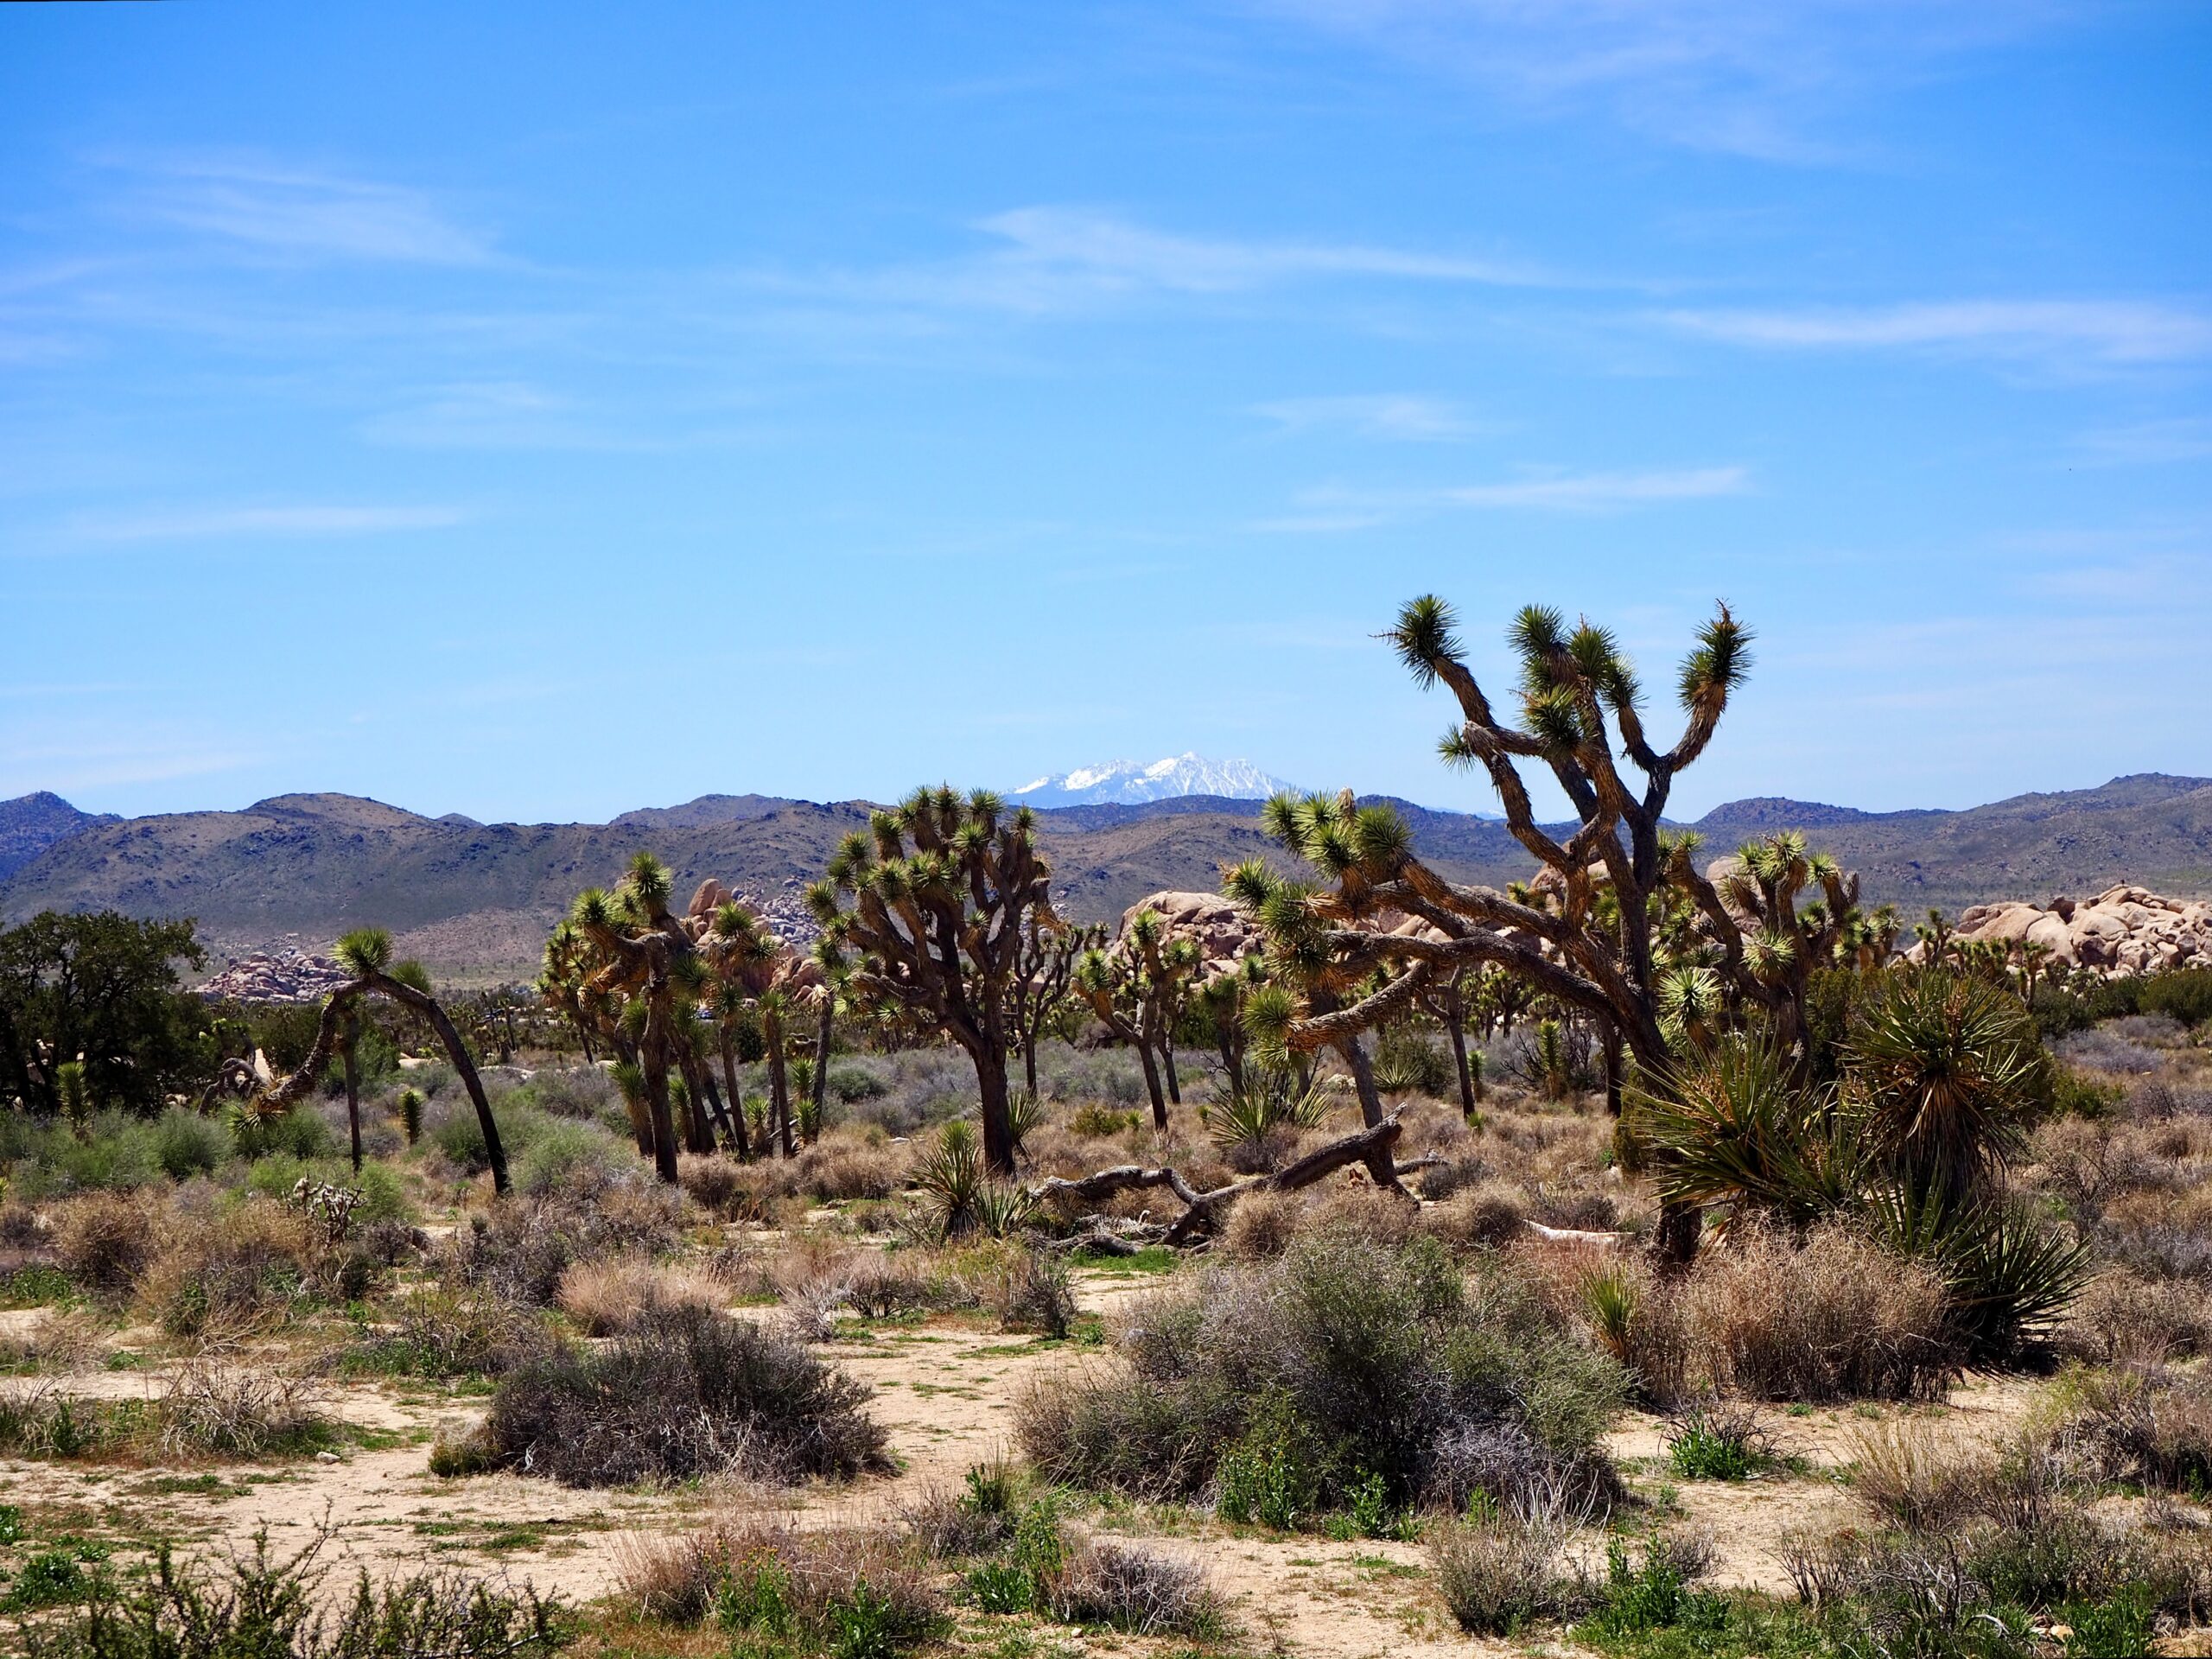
(945, 1393)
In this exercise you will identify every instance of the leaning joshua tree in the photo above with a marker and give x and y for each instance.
(367, 954)
(1044, 979)
(1591, 937)
(941, 891)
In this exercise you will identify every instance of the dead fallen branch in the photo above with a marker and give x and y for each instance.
(1201, 1211)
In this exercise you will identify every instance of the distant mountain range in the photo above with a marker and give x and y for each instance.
(474, 900)
(1130, 783)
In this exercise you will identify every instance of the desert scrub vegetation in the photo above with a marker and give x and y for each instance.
(1286, 1388)
(772, 1589)
(684, 1392)
(257, 1601)
(210, 1407)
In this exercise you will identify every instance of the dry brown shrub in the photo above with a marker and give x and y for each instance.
(1914, 1475)
(607, 1298)
(1262, 1225)
(19, 1227)
(1128, 1587)
(1831, 1316)
(1487, 1216)
(676, 1579)
(60, 1341)
(232, 1269)
(2122, 1316)
(725, 1189)
(104, 1240)
(217, 1407)
(844, 1165)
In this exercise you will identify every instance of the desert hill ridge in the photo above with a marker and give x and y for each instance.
(474, 899)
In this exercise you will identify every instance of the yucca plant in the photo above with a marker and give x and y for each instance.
(1610, 1298)
(1024, 1112)
(2008, 1275)
(410, 1114)
(998, 1211)
(1737, 1129)
(951, 1178)
(1271, 1099)
(1948, 1073)
(76, 1097)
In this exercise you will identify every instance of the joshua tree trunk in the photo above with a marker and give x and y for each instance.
(353, 1084)
(1232, 1057)
(1151, 1084)
(1380, 1164)
(736, 1100)
(825, 1029)
(1029, 1060)
(1168, 1063)
(1613, 1036)
(998, 1135)
(1460, 1063)
(779, 1091)
(656, 1064)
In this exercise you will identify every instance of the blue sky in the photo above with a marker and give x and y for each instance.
(539, 411)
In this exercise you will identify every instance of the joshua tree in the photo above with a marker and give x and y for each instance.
(1446, 1000)
(644, 957)
(941, 891)
(780, 985)
(1042, 980)
(1140, 988)
(1615, 887)
(1221, 999)
(367, 954)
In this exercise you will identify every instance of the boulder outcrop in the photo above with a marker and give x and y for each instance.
(2123, 931)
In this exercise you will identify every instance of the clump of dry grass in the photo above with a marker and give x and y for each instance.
(1487, 1216)
(1914, 1475)
(436, 1330)
(2143, 1422)
(2120, 1315)
(777, 1581)
(520, 1246)
(1128, 1587)
(217, 1407)
(607, 1298)
(60, 1341)
(230, 1269)
(1829, 1317)
(104, 1240)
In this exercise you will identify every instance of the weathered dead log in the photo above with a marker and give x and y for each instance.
(1200, 1209)
(1571, 1235)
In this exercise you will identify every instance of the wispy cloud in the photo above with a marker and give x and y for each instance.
(1747, 77)
(1397, 416)
(1337, 509)
(2148, 443)
(193, 524)
(2108, 332)
(297, 213)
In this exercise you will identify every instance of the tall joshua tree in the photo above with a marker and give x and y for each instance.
(644, 958)
(1591, 946)
(1138, 988)
(1044, 979)
(366, 954)
(940, 892)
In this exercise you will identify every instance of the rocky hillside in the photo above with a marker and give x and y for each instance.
(31, 824)
(474, 900)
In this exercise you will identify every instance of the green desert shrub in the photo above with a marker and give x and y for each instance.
(186, 1144)
(1292, 1384)
(278, 1607)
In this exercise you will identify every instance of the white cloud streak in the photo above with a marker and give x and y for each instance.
(1746, 77)
(299, 214)
(2111, 332)
(198, 523)
(1397, 418)
(1331, 511)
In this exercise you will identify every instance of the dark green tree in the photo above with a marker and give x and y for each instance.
(103, 989)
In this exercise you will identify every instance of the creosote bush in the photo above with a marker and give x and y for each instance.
(520, 1246)
(1291, 1383)
(683, 1393)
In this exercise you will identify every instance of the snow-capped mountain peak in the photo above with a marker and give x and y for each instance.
(1128, 783)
